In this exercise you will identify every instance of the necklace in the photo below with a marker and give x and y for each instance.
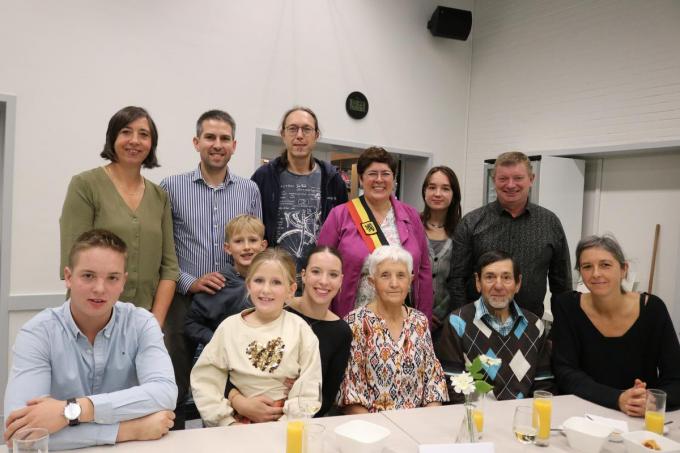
(435, 225)
(119, 185)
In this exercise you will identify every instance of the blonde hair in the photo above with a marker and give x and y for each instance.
(278, 255)
(512, 158)
(243, 223)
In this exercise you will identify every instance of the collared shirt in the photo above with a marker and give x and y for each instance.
(200, 213)
(503, 328)
(126, 373)
(536, 241)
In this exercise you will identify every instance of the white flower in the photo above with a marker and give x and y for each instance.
(463, 383)
(488, 361)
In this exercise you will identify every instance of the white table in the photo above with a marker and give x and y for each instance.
(440, 424)
(409, 429)
(254, 438)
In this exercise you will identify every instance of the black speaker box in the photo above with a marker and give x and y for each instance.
(450, 23)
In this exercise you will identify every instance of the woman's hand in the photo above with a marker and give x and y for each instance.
(632, 401)
(258, 408)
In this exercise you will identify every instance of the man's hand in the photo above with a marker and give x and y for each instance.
(632, 401)
(151, 427)
(208, 283)
(43, 412)
(258, 408)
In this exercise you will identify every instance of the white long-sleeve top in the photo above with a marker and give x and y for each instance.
(257, 360)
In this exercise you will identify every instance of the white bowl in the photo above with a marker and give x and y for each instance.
(359, 436)
(586, 435)
(633, 442)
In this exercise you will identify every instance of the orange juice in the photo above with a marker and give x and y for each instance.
(654, 421)
(478, 418)
(294, 437)
(542, 410)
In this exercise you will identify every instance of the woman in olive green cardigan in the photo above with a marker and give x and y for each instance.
(119, 199)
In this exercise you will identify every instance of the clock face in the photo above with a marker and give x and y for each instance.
(356, 105)
(72, 411)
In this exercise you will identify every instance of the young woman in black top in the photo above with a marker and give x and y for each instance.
(322, 277)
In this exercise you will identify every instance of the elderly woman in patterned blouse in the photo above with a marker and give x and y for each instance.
(392, 363)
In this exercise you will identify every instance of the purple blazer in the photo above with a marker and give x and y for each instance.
(340, 232)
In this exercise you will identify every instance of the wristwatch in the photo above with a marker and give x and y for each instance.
(72, 412)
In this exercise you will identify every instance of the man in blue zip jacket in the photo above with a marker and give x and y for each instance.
(298, 191)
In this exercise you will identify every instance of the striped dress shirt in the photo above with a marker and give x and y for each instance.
(199, 214)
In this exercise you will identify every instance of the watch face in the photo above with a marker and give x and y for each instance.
(72, 411)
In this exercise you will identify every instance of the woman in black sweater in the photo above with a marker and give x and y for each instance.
(322, 278)
(610, 345)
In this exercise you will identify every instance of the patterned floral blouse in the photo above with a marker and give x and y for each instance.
(384, 374)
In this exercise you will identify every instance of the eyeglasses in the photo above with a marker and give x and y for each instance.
(375, 174)
(293, 130)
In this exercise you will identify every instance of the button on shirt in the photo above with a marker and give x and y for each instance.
(126, 373)
(200, 213)
(535, 239)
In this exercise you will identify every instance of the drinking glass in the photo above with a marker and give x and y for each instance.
(478, 406)
(655, 410)
(541, 416)
(522, 425)
(312, 439)
(30, 440)
(309, 398)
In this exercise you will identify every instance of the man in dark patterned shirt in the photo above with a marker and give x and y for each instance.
(533, 235)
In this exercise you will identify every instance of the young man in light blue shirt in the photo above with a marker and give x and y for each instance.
(94, 370)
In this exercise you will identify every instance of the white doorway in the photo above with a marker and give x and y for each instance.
(7, 127)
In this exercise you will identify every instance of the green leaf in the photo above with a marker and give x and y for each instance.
(483, 387)
(477, 376)
(475, 366)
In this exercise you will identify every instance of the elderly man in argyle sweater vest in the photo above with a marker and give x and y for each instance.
(496, 326)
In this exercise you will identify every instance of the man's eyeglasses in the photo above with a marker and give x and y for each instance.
(293, 130)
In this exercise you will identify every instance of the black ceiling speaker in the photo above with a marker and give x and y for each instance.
(450, 23)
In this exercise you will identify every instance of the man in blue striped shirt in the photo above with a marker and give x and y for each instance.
(203, 201)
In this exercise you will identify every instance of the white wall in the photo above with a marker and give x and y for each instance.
(568, 74)
(628, 196)
(73, 63)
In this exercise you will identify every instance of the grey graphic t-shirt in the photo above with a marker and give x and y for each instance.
(298, 225)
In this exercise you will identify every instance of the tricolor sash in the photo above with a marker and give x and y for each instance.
(365, 223)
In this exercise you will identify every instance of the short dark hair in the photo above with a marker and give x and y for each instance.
(453, 213)
(96, 239)
(121, 119)
(321, 249)
(494, 256)
(219, 115)
(375, 154)
(297, 108)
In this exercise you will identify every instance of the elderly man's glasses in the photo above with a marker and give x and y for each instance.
(293, 130)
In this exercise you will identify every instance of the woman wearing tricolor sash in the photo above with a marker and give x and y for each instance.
(376, 218)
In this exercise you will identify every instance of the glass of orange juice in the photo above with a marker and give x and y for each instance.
(655, 410)
(541, 417)
(478, 412)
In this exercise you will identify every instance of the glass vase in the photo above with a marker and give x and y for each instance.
(467, 433)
